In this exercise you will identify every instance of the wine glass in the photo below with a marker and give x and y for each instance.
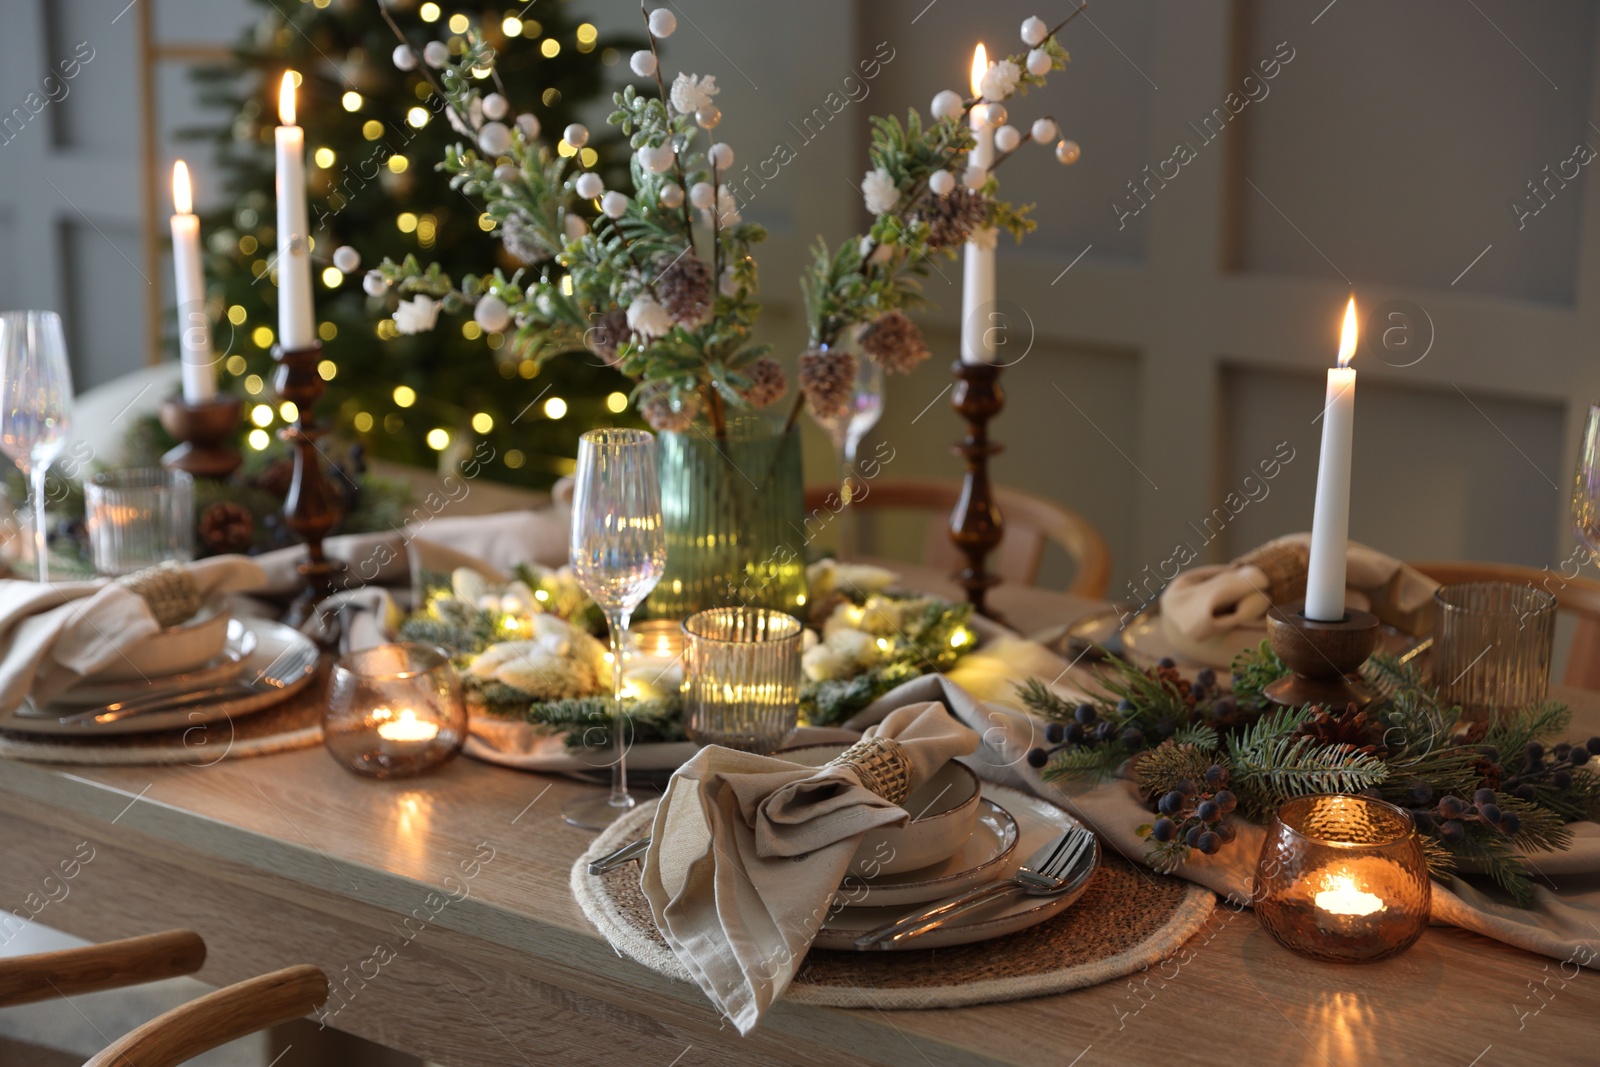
(847, 430)
(35, 405)
(1586, 490)
(618, 554)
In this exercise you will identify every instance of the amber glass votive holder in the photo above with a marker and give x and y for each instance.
(394, 711)
(1343, 878)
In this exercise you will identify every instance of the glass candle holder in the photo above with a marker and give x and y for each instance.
(742, 678)
(1343, 878)
(1492, 646)
(138, 518)
(394, 711)
(657, 638)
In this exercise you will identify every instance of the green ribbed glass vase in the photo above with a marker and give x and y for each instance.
(734, 509)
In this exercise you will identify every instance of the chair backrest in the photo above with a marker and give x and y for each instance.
(217, 1018)
(1030, 523)
(187, 1030)
(112, 965)
(1581, 596)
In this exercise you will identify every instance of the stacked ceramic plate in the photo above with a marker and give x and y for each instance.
(963, 833)
(186, 680)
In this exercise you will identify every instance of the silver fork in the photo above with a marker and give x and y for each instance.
(279, 674)
(1055, 869)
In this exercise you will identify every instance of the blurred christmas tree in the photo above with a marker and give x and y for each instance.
(373, 136)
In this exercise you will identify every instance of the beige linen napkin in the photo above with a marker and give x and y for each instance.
(490, 544)
(1203, 603)
(749, 852)
(1564, 922)
(55, 633)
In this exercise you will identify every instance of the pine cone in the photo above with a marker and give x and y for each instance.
(663, 417)
(276, 477)
(895, 343)
(684, 288)
(227, 527)
(608, 334)
(952, 218)
(1348, 726)
(767, 382)
(828, 380)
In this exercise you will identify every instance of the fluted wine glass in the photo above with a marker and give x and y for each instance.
(35, 406)
(1586, 490)
(847, 430)
(618, 554)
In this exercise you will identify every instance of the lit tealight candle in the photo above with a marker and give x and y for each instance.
(404, 731)
(1341, 897)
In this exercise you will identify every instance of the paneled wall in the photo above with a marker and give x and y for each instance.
(1246, 165)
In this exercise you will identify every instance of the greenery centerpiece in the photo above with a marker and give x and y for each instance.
(1482, 794)
(527, 652)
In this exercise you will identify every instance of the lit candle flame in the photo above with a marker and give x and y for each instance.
(408, 728)
(980, 63)
(1341, 897)
(286, 99)
(1347, 336)
(182, 195)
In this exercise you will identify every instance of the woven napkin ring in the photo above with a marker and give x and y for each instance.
(1285, 567)
(882, 765)
(169, 589)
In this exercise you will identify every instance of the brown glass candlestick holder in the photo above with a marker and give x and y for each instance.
(312, 508)
(204, 430)
(1326, 657)
(976, 526)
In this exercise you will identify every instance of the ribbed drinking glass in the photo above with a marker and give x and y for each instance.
(138, 518)
(1492, 645)
(618, 553)
(742, 678)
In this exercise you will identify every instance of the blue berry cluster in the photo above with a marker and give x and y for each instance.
(1191, 816)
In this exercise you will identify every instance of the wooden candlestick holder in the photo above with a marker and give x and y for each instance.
(1326, 657)
(204, 430)
(312, 508)
(976, 526)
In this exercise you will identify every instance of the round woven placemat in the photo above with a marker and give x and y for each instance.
(1128, 919)
(296, 723)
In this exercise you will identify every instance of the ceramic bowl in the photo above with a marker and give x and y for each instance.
(944, 813)
(190, 644)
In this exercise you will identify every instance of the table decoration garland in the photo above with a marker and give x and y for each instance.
(1482, 794)
(526, 650)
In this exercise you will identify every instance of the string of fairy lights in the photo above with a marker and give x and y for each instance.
(422, 227)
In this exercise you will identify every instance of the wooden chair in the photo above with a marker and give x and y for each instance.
(1030, 522)
(1580, 596)
(187, 1030)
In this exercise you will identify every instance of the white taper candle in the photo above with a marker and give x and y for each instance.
(1330, 523)
(296, 328)
(194, 332)
(977, 268)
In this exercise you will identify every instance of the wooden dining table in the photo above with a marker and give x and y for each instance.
(440, 910)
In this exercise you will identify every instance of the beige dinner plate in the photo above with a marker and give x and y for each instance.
(991, 844)
(271, 640)
(1038, 823)
(218, 671)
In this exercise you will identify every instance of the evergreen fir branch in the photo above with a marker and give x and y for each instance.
(1253, 670)
(1085, 763)
(1162, 768)
(1268, 772)
(586, 722)
(1201, 735)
